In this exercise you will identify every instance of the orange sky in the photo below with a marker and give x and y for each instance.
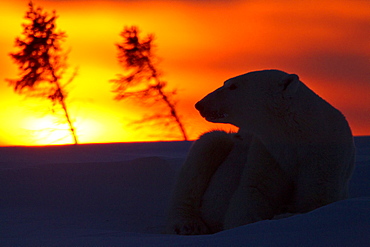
(201, 44)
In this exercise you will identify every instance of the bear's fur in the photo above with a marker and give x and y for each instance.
(293, 153)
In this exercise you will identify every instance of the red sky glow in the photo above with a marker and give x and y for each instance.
(201, 44)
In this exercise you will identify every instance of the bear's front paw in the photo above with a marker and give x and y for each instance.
(194, 226)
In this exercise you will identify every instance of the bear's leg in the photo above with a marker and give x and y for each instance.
(224, 183)
(263, 192)
(205, 156)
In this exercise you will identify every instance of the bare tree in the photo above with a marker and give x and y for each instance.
(42, 62)
(142, 77)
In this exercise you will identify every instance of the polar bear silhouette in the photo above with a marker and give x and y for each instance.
(293, 153)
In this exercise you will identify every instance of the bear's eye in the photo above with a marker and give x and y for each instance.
(232, 87)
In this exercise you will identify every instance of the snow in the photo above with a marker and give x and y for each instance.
(117, 195)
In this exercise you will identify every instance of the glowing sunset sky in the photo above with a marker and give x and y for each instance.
(201, 44)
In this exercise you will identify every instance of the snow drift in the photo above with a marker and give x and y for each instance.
(117, 195)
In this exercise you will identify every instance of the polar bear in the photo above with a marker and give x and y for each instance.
(293, 153)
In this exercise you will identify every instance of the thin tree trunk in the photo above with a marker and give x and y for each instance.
(167, 101)
(173, 113)
(172, 110)
(64, 106)
(71, 127)
(66, 114)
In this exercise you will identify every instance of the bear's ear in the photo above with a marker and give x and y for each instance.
(289, 85)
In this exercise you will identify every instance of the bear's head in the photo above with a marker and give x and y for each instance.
(250, 100)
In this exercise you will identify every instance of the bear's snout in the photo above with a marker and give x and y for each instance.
(214, 115)
(199, 106)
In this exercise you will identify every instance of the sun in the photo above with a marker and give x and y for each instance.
(48, 130)
(53, 130)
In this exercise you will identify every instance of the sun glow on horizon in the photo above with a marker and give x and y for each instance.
(200, 45)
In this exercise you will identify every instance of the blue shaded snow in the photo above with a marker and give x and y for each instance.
(117, 195)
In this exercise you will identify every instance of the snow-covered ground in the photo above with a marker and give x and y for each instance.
(117, 195)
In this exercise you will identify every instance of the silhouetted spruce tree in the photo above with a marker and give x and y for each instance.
(42, 61)
(142, 79)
